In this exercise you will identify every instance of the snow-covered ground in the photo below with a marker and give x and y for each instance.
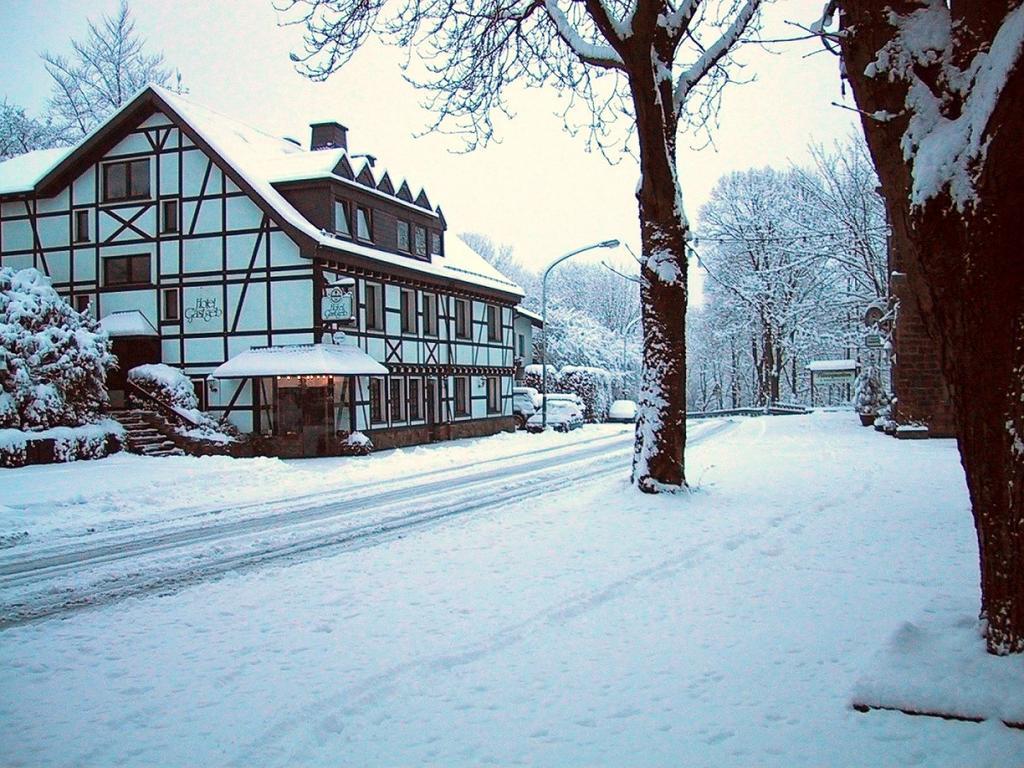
(589, 626)
(42, 503)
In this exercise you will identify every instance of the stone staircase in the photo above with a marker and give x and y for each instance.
(142, 437)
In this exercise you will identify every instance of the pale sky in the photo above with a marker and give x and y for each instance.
(538, 190)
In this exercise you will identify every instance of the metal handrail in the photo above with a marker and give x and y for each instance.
(167, 409)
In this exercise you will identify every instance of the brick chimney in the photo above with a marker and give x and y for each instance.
(328, 136)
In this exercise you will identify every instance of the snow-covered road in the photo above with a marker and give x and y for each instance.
(42, 578)
(592, 626)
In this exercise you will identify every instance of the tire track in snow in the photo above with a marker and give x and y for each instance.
(488, 490)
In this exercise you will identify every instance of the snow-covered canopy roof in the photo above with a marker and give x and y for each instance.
(300, 360)
(129, 322)
(262, 160)
(534, 317)
(832, 365)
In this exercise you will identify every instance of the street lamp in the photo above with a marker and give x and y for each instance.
(544, 316)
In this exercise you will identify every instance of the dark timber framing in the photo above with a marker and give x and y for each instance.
(242, 275)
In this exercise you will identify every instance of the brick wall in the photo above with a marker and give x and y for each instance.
(917, 380)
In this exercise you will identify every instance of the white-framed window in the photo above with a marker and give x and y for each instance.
(429, 314)
(493, 323)
(169, 216)
(342, 222)
(415, 400)
(402, 235)
(376, 400)
(462, 396)
(493, 394)
(81, 226)
(126, 180)
(463, 318)
(407, 297)
(373, 294)
(397, 398)
(171, 309)
(364, 223)
(128, 270)
(421, 242)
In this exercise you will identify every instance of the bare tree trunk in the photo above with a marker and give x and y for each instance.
(966, 273)
(661, 419)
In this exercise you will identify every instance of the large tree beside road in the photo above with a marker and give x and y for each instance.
(662, 63)
(940, 88)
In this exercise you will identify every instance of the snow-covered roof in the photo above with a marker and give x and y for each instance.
(300, 360)
(262, 159)
(832, 365)
(21, 173)
(533, 316)
(128, 322)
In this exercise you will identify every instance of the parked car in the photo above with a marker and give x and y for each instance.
(623, 411)
(563, 416)
(560, 396)
(523, 405)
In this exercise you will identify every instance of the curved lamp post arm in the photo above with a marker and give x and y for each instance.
(544, 316)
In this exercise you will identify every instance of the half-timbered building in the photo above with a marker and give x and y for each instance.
(307, 293)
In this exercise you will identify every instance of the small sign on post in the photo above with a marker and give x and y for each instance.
(873, 340)
(338, 302)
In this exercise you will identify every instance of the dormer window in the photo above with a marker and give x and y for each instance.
(421, 242)
(342, 225)
(126, 181)
(435, 243)
(363, 223)
(403, 236)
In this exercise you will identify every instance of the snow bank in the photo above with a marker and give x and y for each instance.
(89, 441)
(938, 664)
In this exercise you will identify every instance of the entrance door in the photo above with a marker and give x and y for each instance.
(317, 419)
(305, 414)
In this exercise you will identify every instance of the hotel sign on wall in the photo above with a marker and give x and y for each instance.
(337, 305)
(202, 305)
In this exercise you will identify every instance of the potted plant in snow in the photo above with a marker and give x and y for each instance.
(868, 395)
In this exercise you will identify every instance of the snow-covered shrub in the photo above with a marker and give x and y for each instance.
(593, 385)
(89, 441)
(868, 394)
(355, 444)
(533, 375)
(53, 360)
(169, 384)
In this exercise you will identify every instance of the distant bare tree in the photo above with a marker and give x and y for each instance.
(104, 71)
(662, 63)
